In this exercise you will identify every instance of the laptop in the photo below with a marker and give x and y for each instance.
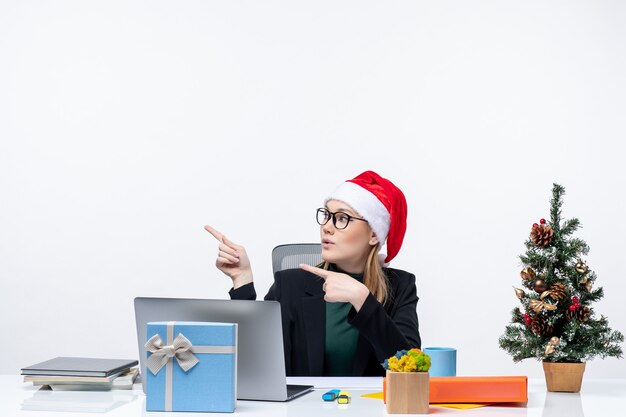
(261, 360)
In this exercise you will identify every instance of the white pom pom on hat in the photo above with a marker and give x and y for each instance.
(381, 203)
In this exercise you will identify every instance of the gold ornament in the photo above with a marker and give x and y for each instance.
(537, 306)
(520, 293)
(581, 267)
(586, 282)
(551, 345)
(527, 273)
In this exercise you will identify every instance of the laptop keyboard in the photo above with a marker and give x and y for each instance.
(295, 390)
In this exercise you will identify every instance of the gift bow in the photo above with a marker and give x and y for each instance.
(537, 306)
(179, 349)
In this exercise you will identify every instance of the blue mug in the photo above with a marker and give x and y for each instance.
(442, 360)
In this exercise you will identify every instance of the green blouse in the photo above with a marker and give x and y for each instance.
(341, 337)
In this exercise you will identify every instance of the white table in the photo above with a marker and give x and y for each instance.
(599, 397)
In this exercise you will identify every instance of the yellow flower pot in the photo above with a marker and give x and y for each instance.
(407, 392)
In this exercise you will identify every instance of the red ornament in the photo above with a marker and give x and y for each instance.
(527, 319)
(575, 300)
(573, 307)
(542, 221)
(535, 225)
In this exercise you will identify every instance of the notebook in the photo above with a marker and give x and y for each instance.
(70, 366)
(261, 361)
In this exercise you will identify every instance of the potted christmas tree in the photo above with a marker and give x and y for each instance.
(556, 322)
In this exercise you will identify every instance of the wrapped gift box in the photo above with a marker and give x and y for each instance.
(191, 366)
(474, 389)
(478, 389)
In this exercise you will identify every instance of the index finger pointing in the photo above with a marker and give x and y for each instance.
(315, 270)
(217, 235)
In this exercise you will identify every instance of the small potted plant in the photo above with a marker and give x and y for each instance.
(407, 382)
(556, 322)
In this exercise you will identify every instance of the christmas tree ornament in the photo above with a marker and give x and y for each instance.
(527, 273)
(540, 327)
(581, 267)
(537, 306)
(540, 286)
(581, 313)
(556, 292)
(520, 293)
(554, 341)
(527, 319)
(588, 286)
(542, 221)
(541, 235)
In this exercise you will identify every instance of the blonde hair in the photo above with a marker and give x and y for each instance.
(373, 276)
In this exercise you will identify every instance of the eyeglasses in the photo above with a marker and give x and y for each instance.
(340, 219)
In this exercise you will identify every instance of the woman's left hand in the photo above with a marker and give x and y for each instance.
(339, 287)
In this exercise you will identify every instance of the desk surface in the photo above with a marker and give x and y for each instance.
(599, 397)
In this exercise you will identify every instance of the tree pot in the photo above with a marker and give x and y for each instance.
(563, 377)
(407, 392)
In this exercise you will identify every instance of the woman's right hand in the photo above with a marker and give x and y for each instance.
(232, 259)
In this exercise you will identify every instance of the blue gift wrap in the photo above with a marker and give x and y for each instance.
(191, 366)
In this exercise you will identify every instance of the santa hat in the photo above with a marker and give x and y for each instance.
(381, 203)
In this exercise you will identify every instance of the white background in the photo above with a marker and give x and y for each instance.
(125, 126)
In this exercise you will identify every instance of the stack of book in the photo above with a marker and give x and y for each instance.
(92, 374)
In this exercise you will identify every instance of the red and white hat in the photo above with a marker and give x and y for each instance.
(381, 203)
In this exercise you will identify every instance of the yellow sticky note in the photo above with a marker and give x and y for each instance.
(379, 396)
(461, 406)
(374, 395)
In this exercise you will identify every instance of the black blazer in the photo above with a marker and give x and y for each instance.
(383, 329)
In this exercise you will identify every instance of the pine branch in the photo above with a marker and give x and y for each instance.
(555, 206)
(535, 258)
(577, 247)
(570, 226)
(594, 295)
(517, 316)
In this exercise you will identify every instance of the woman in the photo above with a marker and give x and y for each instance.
(350, 313)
